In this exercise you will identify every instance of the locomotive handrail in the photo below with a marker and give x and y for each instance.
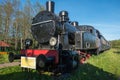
(42, 22)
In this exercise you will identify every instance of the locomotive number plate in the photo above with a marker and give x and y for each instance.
(28, 62)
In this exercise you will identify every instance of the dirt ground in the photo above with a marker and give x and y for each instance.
(9, 64)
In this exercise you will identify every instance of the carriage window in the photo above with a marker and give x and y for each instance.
(83, 28)
(91, 31)
(98, 34)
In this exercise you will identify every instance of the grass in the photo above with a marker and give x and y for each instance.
(3, 58)
(109, 61)
(15, 73)
(105, 66)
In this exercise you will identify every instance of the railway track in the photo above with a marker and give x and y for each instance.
(9, 64)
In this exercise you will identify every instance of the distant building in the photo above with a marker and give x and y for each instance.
(4, 47)
(4, 44)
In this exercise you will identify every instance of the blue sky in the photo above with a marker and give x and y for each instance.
(104, 15)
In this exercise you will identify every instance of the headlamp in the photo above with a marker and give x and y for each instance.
(53, 41)
(28, 42)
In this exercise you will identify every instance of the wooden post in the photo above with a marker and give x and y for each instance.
(21, 43)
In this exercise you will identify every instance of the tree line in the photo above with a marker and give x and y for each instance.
(15, 20)
(115, 44)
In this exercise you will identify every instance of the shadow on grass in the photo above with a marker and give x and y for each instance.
(118, 52)
(90, 72)
(84, 72)
(25, 76)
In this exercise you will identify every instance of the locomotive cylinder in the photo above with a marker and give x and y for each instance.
(13, 56)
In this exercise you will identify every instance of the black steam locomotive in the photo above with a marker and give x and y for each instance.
(61, 44)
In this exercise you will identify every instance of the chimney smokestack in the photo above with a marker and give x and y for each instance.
(50, 6)
(75, 23)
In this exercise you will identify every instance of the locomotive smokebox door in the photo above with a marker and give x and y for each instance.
(43, 31)
(78, 40)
